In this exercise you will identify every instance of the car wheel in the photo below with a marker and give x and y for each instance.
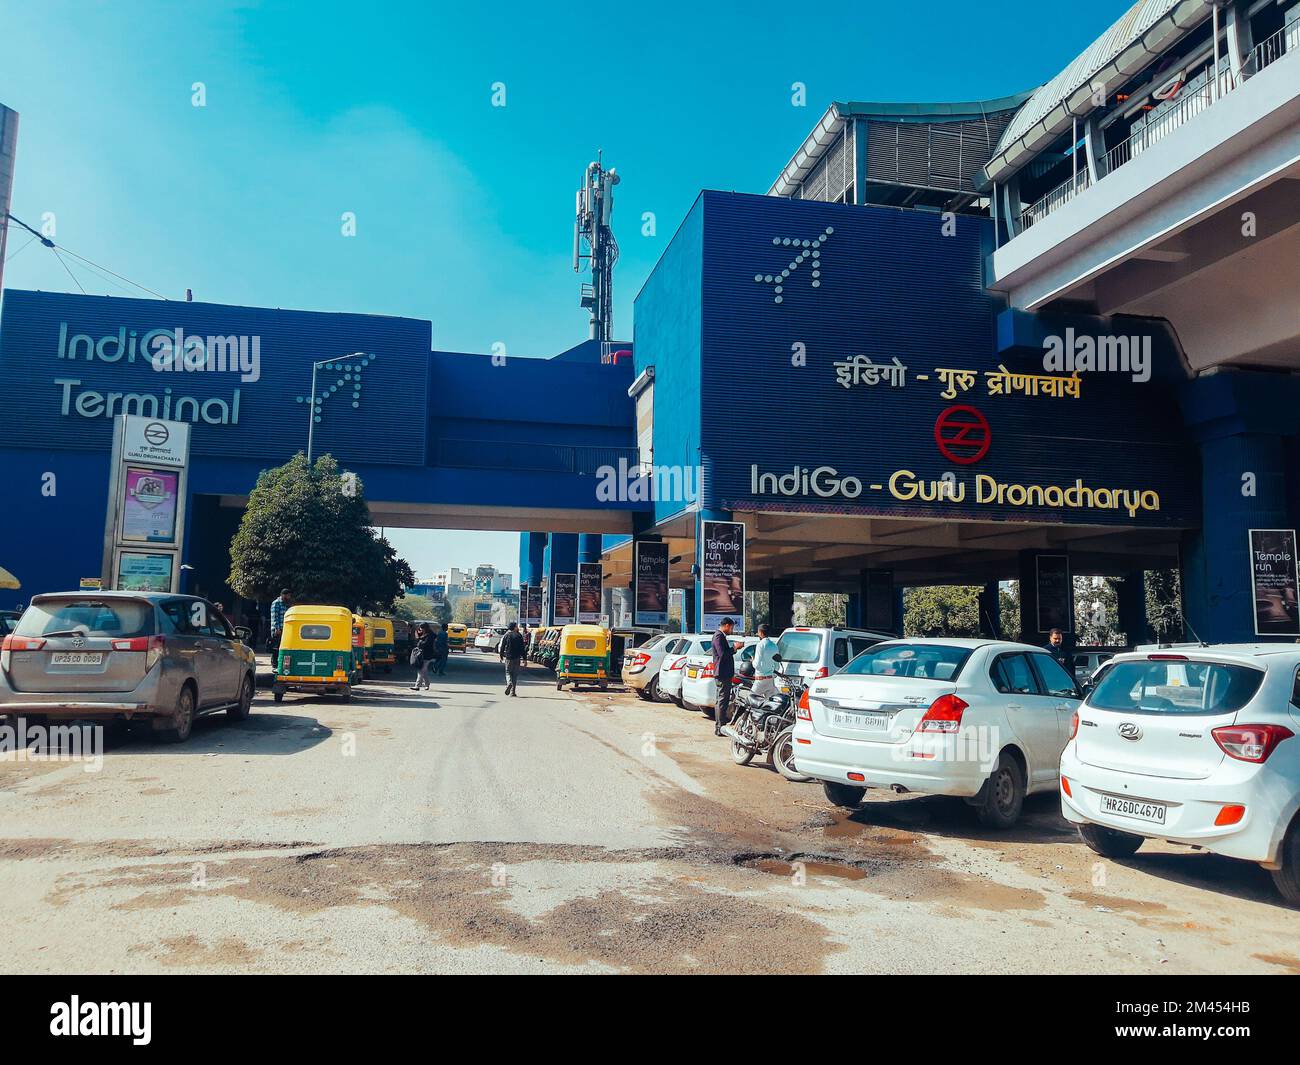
(183, 718)
(846, 795)
(641, 693)
(781, 756)
(652, 689)
(1109, 842)
(240, 710)
(1004, 795)
(1287, 878)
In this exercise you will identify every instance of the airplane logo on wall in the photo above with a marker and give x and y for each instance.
(347, 374)
(806, 253)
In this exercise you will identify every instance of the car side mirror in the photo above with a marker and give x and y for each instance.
(243, 632)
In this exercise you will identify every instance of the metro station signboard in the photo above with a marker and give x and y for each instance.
(870, 355)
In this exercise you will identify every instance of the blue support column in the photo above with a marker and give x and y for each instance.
(589, 547)
(1131, 607)
(780, 603)
(532, 558)
(853, 613)
(1242, 422)
(561, 557)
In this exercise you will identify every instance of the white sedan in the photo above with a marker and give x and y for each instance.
(1195, 746)
(673, 667)
(700, 684)
(641, 664)
(981, 719)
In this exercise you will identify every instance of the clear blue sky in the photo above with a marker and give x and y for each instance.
(464, 210)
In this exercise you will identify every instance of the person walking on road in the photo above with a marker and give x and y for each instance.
(441, 651)
(511, 652)
(724, 668)
(279, 607)
(424, 645)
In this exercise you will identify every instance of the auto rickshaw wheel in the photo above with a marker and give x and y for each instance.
(278, 696)
(559, 685)
(347, 695)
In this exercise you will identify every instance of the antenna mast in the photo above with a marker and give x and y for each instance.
(595, 205)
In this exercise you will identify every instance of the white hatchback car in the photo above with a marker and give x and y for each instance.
(641, 664)
(982, 719)
(700, 684)
(1195, 746)
(673, 667)
(813, 653)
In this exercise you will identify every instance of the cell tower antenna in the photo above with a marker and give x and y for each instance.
(591, 226)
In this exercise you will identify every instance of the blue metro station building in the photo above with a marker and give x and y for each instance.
(949, 341)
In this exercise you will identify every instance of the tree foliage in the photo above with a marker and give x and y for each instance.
(942, 610)
(307, 528)
(821, 609)
(1164, 604)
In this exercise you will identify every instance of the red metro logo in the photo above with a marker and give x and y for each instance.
(962, 434)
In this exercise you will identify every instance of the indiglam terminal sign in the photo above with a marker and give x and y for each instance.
(241, 376)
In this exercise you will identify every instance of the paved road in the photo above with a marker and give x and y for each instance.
(457, 830)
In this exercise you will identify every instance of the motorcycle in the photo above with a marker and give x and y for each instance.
(764, 725)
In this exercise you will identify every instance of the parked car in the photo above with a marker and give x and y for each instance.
(489, 639)
(641, 664)
(818, 652)
(1088, 660)
(1196, 746)
(981, 719)
(164, 658)
(699, 684)
(673, 666)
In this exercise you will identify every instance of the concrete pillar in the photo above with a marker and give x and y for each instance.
(1131, 607)
(879, 603)
(690, 615)
(990, 606)
(780, 601)
(1241, 421)
(853, 613)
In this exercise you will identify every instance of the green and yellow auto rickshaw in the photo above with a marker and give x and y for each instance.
(316, 652)
(582, 656)
(362, 645)
(383, 655)
(456, 634)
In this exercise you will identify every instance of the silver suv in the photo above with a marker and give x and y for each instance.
(168, 658)
(814, 653)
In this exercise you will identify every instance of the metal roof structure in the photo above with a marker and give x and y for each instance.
(1139, 36)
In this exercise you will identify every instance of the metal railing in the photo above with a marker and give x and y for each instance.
(1160, 126)
(584, 460)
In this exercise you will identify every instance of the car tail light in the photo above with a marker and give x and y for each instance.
(944, 715)
(856, 776)
(1250, 743)
(1166, 658)
(21, 643)
(1230, 815)
(708, 671)
(1074, 728)
(822, 674)
(641, 659)
(678, 664)
(152, 646)
(1065, 787)
(804, 711)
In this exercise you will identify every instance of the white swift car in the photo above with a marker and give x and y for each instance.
(982, 719)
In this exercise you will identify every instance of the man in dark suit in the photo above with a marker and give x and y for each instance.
(724, 668)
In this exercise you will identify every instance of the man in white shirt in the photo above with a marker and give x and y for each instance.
(764, 663)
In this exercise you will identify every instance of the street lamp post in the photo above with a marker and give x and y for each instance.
(312, 417)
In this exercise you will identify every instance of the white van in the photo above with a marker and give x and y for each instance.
(815, 653)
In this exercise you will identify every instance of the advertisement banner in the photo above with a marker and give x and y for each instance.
(590, 590)
(140, 571)
(534, 615)
(722, 573)
(566, 598)
(149, 506)
(650, 580)
(1275, 585)
(1054, 593)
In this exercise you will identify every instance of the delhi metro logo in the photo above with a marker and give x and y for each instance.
(962, 434)
(805, 253)
(156, 434)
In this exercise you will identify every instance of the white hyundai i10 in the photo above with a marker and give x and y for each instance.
(1195, 746)
(981, 719)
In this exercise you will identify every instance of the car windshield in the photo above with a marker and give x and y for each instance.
(797, 646)
(1175, 687)
(922, 661)
(88, 617)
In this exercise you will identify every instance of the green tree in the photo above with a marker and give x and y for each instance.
(307, 528)
(415, 608)
(1096, 611)
(1009, 610)
(822, 609)
(942, 610)
(1164, 605)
